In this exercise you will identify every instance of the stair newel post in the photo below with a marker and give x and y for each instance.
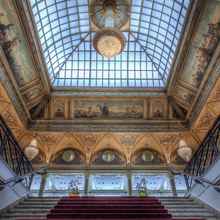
(172, 183)
(43, 184)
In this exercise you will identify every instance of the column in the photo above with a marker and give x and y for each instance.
(86, 186)
(187, 183)
(42, 184)
(129, 177)
(172, 183)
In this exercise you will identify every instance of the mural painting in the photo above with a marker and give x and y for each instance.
(59, 109)
(109, 109)
(158, 109)
(15, 48)
(205, 52)
(203, 45)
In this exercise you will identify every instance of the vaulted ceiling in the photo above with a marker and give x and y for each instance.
(90, 119)
(66, 34)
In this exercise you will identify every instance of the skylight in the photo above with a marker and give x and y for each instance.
(66, 39)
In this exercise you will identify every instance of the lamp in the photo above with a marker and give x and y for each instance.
(184, 151)
(109, 42)
(31, 151)
(109, 13)
(109, 16)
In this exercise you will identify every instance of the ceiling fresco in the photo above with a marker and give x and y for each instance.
(197, 58)
(22, 71)
(91, 121)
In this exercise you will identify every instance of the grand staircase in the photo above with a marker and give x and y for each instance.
(81, 208)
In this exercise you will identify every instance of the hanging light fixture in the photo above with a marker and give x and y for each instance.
(110, 13)
(109, 16)
(31, 151)
(109, 42)
(184, 151)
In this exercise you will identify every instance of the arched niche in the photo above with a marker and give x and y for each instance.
(146, 156)
(68, 156)
(108, 157)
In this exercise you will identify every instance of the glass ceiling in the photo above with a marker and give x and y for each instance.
(66, 39)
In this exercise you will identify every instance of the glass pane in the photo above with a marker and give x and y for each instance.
(156, 184)
(35, 186)
(180, 185)
(67, 42)
(108, 184)
(58, 184)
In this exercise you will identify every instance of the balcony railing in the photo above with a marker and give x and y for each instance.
(205, 156)
(13, 155)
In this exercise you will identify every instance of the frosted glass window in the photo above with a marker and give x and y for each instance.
(108, 182)
(60, 182)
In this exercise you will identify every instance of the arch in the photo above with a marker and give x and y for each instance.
(109, 142)
(79, 158)
(147, 142)
(158, 157)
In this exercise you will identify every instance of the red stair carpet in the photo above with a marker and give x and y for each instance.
(111, 208)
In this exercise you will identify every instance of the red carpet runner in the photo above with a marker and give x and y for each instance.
(99, 208)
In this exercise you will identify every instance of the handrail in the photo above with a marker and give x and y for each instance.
(11, 152)
(18, 179)
(198, 179)
(206, 155)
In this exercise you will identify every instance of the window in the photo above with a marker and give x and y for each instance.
(64, 32)
(158, 184)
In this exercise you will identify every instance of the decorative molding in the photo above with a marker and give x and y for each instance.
(107, 126)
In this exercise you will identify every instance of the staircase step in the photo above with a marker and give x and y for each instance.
(109, 215)
(110, 208)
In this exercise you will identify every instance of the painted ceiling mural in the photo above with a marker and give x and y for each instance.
(195, 66)
(129, 123)
(21, 68)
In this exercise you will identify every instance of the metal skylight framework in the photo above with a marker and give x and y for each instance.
(66, 40)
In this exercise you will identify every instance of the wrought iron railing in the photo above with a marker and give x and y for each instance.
(205, 156)
(13, 155)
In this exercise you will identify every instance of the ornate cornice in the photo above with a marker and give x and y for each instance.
(107, 126)
(107, 92)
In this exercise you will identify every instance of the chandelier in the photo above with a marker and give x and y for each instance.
(184, 151)
(31, 151)
(109, 17)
